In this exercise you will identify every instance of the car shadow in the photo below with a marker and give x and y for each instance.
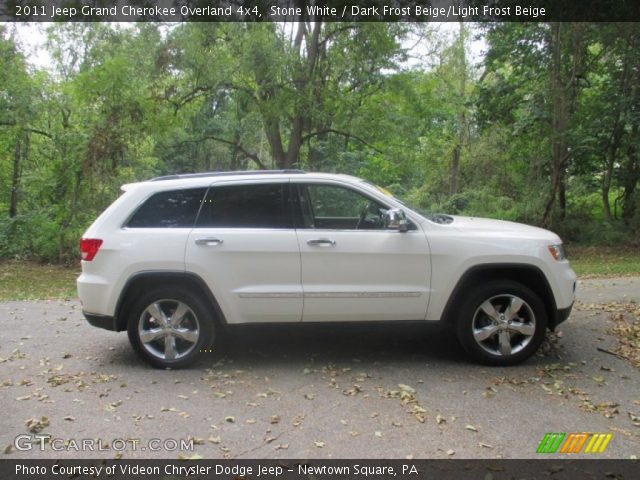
(281, 345)
(333, 343)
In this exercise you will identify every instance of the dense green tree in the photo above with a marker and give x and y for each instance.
(545, 130)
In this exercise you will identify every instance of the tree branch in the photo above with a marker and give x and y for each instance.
(13, 123)
(251, 156)
(344, 134)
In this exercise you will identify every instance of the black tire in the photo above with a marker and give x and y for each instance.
(195, 332)
(524, 333)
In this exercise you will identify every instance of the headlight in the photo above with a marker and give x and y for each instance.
(557, 252)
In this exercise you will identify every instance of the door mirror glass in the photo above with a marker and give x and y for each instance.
(395, 219)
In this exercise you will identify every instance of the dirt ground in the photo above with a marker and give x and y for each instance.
(380, 392)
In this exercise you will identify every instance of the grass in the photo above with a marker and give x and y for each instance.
(21, 280)
(31, 280)
(604, 261)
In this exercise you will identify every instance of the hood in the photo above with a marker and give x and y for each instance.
(500, 228)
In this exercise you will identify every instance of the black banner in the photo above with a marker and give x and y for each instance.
(326, 10)
(556, 469)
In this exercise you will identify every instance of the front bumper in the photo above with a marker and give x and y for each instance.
(101, 321)
(561, 315)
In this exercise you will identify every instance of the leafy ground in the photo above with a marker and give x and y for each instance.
(31, 280)
(604, 261)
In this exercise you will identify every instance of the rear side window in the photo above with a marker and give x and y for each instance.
(246, 206)
(172, 209)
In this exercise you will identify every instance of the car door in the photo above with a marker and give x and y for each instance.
(353, 269)
(245, 248)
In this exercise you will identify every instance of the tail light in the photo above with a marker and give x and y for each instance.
(89, 248)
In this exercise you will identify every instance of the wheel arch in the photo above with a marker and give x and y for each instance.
(528, 275)
(146, 280)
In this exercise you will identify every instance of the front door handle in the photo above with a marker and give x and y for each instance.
(321, 241)
(208, 242)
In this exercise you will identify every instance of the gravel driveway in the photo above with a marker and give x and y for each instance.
(313, 393)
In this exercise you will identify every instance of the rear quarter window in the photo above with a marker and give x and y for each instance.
(170, 209)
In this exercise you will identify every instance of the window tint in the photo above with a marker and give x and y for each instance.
(333, 207)
(246, 206)
(173, 209)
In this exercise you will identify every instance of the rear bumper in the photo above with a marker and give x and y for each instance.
(101, 321)
(561, 315)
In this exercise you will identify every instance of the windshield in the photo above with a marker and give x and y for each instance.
(416, 209)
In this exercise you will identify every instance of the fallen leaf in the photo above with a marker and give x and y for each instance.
(195, 456)
(440, 419)
(471, 427)
(35, 426)
(406, 388)
(418, 409)
(319, 444)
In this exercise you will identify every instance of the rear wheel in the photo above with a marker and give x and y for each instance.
(169, 327)
(501, 323)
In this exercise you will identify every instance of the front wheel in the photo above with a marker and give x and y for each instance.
(501, 323)
(169, 327)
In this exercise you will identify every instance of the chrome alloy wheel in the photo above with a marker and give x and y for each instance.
(503, 325)
(168, 329)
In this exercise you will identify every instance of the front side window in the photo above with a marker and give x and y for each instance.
(172, 209)
(338, 208)
(246, 206)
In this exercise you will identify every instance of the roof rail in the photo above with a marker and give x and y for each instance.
(226, 174)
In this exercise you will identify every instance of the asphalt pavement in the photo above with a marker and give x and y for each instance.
(367, 392)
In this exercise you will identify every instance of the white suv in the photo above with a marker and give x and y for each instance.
(176, 259)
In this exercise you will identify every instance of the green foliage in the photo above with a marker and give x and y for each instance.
(123, 104)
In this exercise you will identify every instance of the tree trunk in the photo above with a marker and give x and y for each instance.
(454, 171)
(558, 118)
(562, 195)
(20, 151)
(610, 160)
(631, 177)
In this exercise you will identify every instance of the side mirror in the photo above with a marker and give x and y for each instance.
(395, 219)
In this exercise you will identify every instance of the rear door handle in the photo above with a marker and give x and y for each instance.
(208, 242)
(321, 241)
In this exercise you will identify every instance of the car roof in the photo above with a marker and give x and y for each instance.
(206, 178)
